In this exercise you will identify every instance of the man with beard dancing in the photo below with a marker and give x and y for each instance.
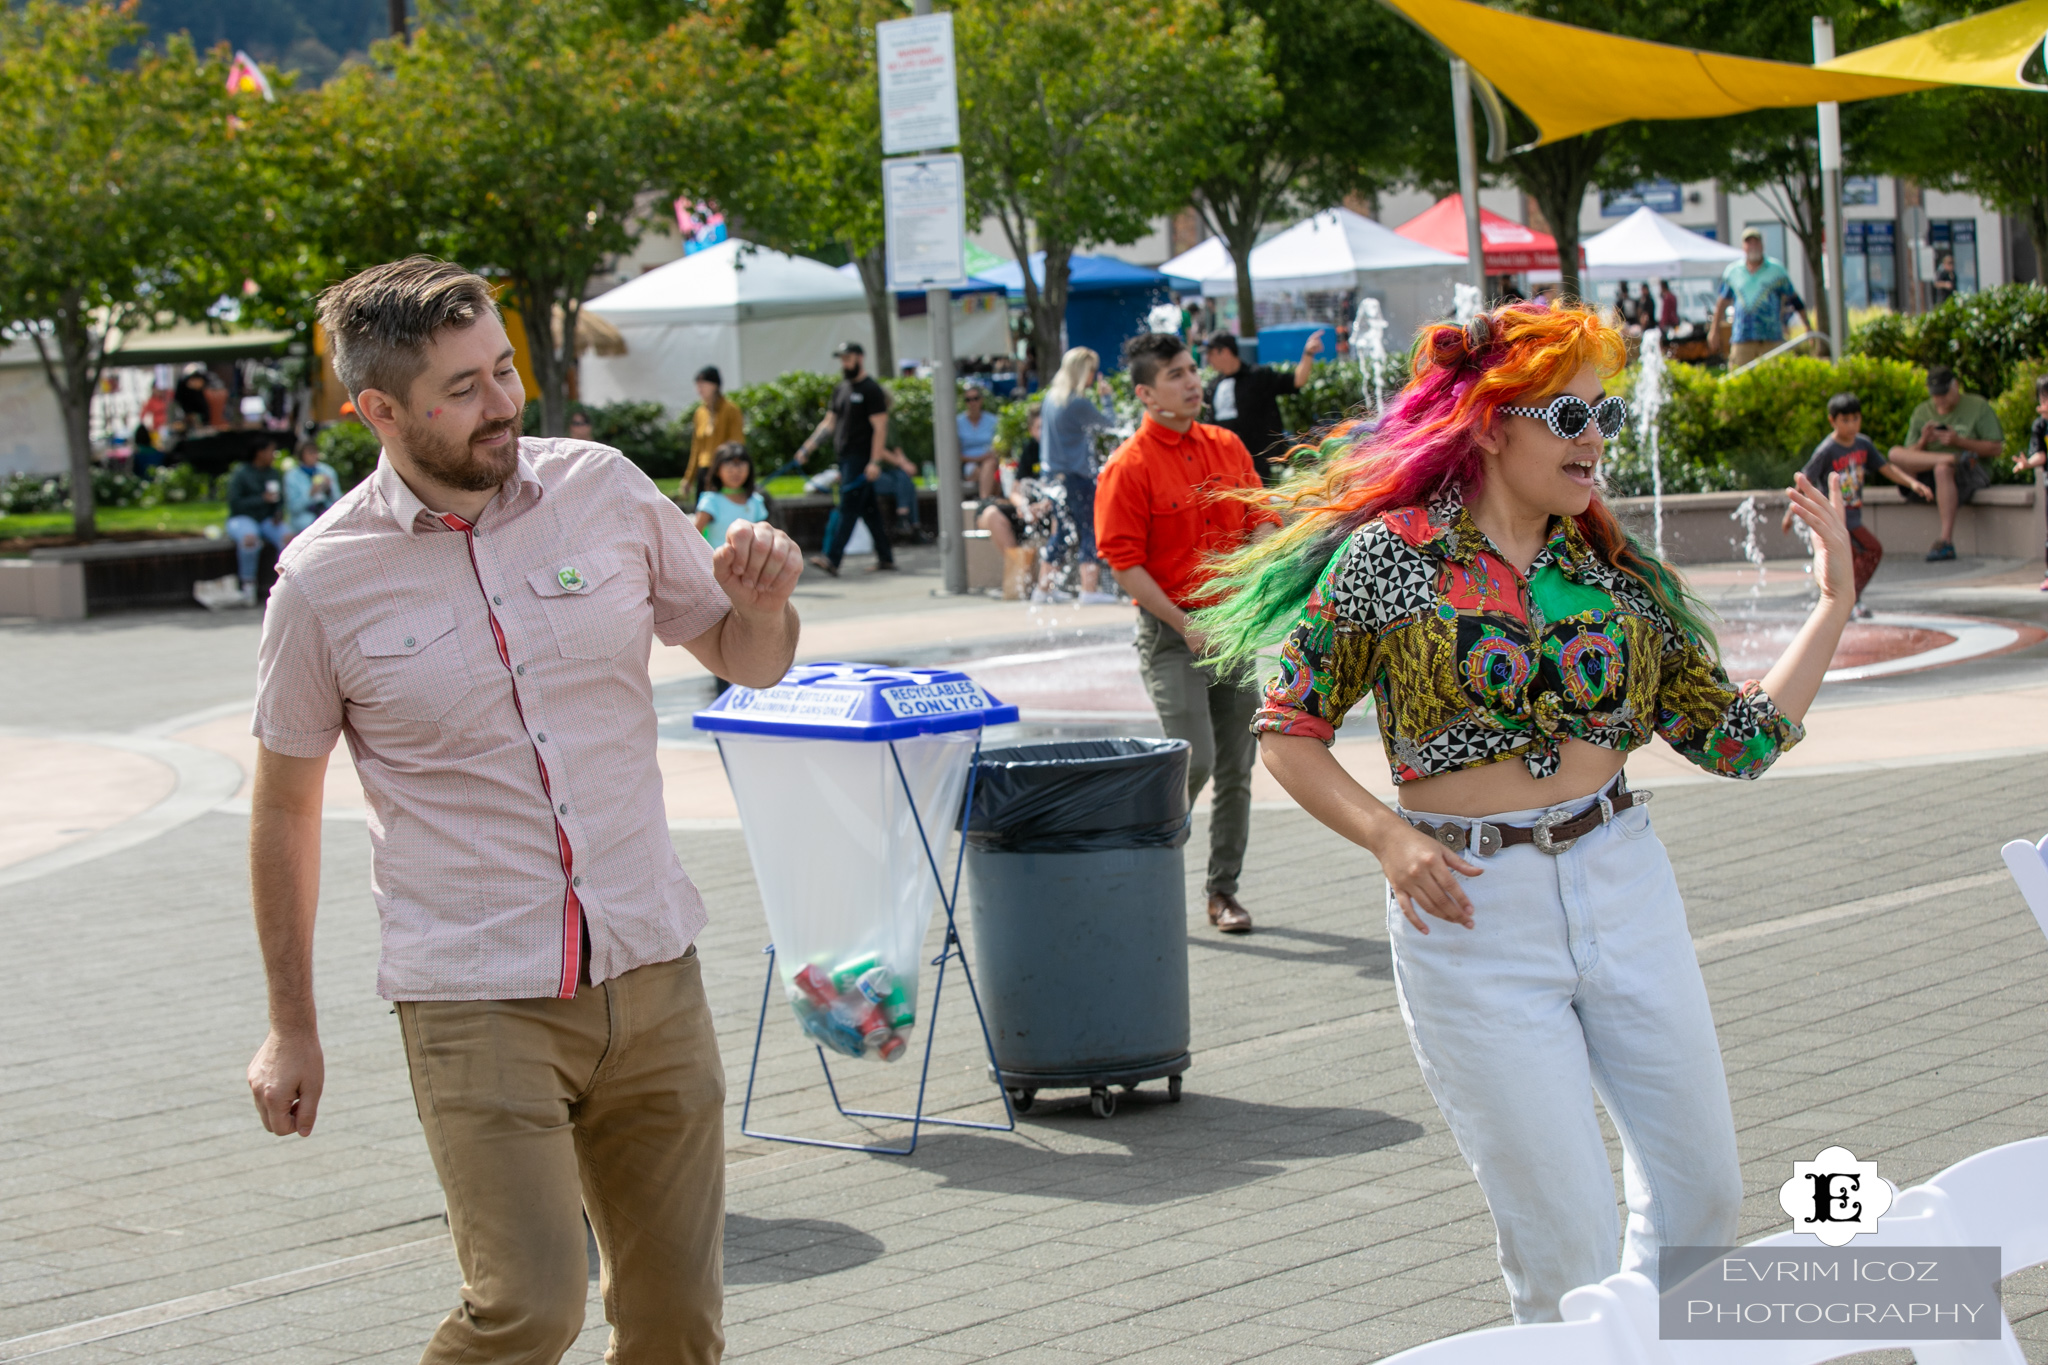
(475, 618)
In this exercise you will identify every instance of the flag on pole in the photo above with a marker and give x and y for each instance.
(247, 78)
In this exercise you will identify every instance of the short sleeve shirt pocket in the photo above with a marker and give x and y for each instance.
(413, 665)
(594, 605)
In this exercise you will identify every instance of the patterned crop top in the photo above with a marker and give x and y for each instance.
(1469, 663)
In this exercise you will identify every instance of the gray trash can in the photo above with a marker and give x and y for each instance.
(1080, 914)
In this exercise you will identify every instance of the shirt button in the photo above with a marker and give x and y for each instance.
(408, 642)
(575, 881)
(564, 808)
(542, 737)
(497, 601)
(521, 670)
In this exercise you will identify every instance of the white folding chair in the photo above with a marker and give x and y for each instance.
(1603, 1325)
(2029, 864)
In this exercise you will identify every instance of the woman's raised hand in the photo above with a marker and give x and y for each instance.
(1834, 567)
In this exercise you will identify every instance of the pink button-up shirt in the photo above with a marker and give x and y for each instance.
(492, 682)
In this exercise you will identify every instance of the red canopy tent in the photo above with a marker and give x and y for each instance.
(1509, 246)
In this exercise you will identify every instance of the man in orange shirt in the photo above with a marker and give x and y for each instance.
(1157, 520)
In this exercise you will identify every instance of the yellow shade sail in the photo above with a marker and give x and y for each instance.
(1984, 49)
(1571, 80)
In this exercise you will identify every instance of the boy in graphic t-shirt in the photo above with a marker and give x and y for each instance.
(2036, 455)
(1849, 453)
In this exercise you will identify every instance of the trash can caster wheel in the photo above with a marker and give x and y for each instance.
(1102, 1101)
(1173, 1090)
(1021, 1100)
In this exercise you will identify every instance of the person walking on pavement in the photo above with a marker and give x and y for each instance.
(1162, 512)
(1455, 562)
(1068, 421)
(857, 419)
(474, 619)
(1245, 399)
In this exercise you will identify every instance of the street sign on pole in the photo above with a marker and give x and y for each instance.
(920, 98)
(921, 112)
(924, 210)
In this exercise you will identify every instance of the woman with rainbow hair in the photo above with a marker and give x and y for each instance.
(1457, 562)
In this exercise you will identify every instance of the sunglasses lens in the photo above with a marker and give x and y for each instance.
(1569, 416)
(1611, 415)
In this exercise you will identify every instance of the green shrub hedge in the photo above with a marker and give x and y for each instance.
(1983, 336)
(1755, 429)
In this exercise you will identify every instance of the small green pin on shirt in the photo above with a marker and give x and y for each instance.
(570, 579)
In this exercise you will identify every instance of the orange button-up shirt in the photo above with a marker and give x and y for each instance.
(491, 681)
(1155, 504)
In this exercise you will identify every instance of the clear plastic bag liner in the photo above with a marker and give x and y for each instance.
(1081, 796)
(844, 879)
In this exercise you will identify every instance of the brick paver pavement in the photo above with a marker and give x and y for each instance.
(1304, 1204)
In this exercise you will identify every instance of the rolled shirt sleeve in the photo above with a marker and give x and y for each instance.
(298, 697)
(687, 598)
(1714, 725)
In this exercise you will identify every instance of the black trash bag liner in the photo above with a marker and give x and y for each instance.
(1081, 796)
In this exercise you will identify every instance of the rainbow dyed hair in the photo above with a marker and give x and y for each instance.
(1423, 446)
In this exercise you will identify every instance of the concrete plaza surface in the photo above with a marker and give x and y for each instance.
(1876, 980)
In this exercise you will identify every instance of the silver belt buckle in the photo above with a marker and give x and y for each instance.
(1540, 831)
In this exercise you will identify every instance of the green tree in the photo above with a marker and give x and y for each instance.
(1335, 117)
(117, 201)
(1071, 115)
(809, 178)
(530, 140)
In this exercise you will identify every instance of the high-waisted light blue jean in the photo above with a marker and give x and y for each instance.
(1577, 978)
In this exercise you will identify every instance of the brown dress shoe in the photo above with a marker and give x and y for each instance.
(1226, 914)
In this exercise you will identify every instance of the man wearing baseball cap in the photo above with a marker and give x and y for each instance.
(1950, 435)
(858, 421)
(1761, 293)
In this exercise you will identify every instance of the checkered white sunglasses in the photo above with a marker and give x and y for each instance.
(1567, 414)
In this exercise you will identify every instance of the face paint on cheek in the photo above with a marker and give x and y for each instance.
(433, 413)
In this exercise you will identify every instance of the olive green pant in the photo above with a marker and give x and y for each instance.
(538, 1111)
(1214, 715)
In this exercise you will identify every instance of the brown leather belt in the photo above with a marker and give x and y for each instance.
(1552, 834)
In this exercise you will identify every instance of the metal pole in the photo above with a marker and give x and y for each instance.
(938, 305)
(1468, 174)
(1831, 196)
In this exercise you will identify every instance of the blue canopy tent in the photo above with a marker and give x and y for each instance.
(1107, 299)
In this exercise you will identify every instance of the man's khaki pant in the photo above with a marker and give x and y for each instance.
(1215, 718)
(538, 1110)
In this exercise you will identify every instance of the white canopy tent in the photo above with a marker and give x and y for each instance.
(754, 313)
(1647, 245)
(1336, 249)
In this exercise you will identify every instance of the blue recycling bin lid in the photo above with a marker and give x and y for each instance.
(862, 702)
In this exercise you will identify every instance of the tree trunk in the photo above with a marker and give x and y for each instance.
(1049, 310)
(874, 278)
(72, 376)
(536, 303)
(1556, 177)
(2037, 232)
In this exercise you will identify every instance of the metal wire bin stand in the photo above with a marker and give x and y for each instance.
(880, 707)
